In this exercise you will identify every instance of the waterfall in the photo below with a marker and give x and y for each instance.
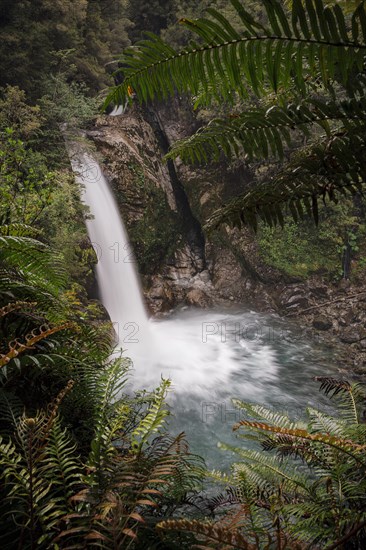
(118, 110)
(117, 276)
(210, 356)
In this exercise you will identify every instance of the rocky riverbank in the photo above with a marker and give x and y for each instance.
(335, 314)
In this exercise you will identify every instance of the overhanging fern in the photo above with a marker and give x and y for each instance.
(263, 132)
(314, 40)
(313, 54)
(328, 170)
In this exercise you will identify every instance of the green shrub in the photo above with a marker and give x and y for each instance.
(301, 249)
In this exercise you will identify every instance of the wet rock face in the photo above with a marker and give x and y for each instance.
(165, 293)
(132, 158)
(144, 191)
(234, 283)
(168, 255)
(198, 297)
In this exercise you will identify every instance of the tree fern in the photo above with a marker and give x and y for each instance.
(316, 51)
(313, 41)
(265, 131)
(328, 170)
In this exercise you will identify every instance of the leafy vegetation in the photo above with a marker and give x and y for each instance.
(304, 489)
(304, 69)
(82, 462)
(91, 465)
(300, 249)
(50, 495)
(90, 30)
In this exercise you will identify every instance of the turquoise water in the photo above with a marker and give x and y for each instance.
(213, 356)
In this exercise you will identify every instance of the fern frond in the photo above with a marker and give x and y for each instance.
(140, 486)
(16, 306)
(19, 230)
(35, 261)
(11, 409)
(264, 413)
(110, 415)
(229, 497)
(314, 40)
(154, 418)
(25, 471)
(351, 397)
(262, 132)
(332, 386)
(220, 477)
(16, 347)
(270, 469)
(326, 171)
(319, 421)
(345, 445)
(63, 465)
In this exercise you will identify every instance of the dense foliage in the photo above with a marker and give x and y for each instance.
(308, 493)
(278, 75)
(83, 463)
(34, 33)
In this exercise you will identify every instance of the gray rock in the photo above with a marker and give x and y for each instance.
(297, 302)
(350, 336)
(363, 344)
(295, 299)
(344, 284)
(197, 297)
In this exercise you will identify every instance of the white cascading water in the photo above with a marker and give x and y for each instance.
(118, 110)
(210, 356)
(118, 281)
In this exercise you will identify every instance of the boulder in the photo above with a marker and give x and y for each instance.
(363, 344)
(350, 336)
(322, 323)
(197, 297)
(297, 301)
(294, 297)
